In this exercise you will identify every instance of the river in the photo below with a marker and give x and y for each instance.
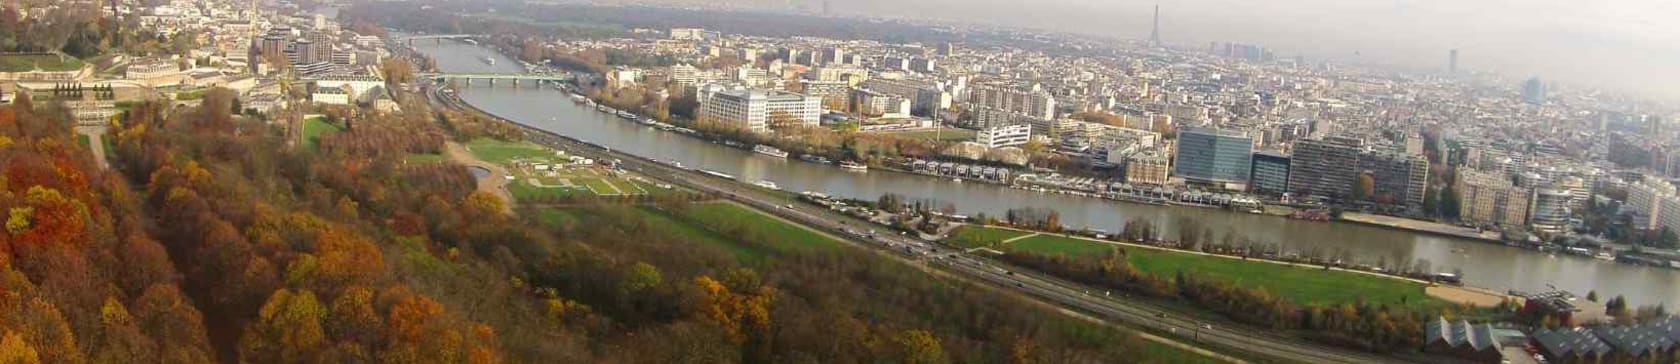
(1485, 265)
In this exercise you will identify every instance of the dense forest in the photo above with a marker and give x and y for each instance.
(214, 238)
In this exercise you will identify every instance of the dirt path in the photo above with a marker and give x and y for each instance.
(96, 142)
(495, 183)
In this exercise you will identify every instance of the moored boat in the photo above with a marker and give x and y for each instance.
(770, 151)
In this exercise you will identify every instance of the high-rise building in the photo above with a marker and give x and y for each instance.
(947, 48)
(1397, 178)
(1644, 202)
(1213, 156)
(759, 111)
(1489, 198)
(1534, 91)
(303, 52)
(1034, 103)
(1270, 174)
(1452, 61)
(833, 55)
(1325, 167)
(1550, 210)
(323, 49)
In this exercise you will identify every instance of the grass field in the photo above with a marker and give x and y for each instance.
(1053, 244)
(946, 134)
(708, 223)
(83, 138)
(503, 152)
(314, 128)
(784, 237)
(424, 157)
(1165, 354)
(45, 62)
(1302, 285)
(980, 236)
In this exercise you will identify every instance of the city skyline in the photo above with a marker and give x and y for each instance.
(1616, 47)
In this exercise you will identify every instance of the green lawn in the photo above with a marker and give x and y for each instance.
(783, 237)
(523, 190)
(1302, 285)
(49, 63)
(974, 236)
(1055, 244)
(504, 152)
(83, 138)
(712, 224)
(314, 128)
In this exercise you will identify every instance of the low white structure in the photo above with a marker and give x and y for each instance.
(1004, 136)
(758, 110)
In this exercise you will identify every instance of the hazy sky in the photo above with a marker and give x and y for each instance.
(1622, 44)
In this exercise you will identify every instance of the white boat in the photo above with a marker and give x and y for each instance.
(489, 61)
(957, 180)
(767, 184)
(770, 151)
(647, 121)
(853, 166)
(627, 115)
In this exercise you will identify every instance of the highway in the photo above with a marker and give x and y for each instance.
(974, 268)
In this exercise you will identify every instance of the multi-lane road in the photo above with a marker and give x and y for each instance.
(974, 268)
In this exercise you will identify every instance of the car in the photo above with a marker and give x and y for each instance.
(1207, 327)
(1008, 273)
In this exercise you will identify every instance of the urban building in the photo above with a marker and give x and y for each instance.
(760, 111)
(1474, 343)
(1398, 178)
(1534, 91)
(875, 104)
(1491, 199)
(1550, 210)
(1004, 136)
(1325, 167)
(1146, 169)
(1644, 201)
(1033, 102)
(1270, 174)
(1213, 156)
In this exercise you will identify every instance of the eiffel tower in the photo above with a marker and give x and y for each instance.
(1155, 30)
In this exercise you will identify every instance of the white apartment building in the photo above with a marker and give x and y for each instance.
(1644, 202)
(759, 110)
(360, 88)
(1004, 136)
(1033, 102)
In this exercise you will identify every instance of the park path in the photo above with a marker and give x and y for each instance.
(96, 142)
(1011, 240)
(495, 183)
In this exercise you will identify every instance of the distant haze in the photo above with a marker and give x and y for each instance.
(1622, 45)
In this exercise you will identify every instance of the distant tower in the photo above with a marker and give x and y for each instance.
(826, 9)
(1155, 30)
(1452, 61)
(1534, 91)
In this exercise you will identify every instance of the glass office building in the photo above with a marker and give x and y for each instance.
(1213, 156)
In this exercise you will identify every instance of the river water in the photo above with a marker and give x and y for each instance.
(1486, 265)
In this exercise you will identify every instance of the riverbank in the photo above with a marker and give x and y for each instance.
(1316, 284)
(1421, 226)
(1489, 265)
